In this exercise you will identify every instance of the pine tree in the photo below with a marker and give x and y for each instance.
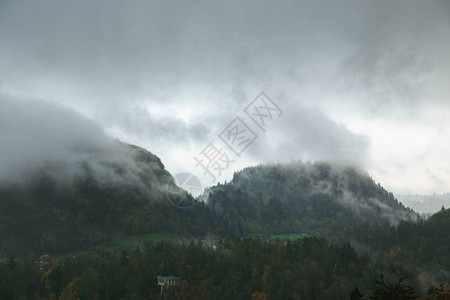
(400, 291)
(356, 294)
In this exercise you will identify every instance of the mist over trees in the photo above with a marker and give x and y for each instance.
(352, 230)
(317, 198)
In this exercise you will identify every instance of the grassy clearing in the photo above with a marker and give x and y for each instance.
(139, 240)
(290, 236)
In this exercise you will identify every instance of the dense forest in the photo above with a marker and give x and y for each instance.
(309, 268)
(45, 214)
(355, 239)
(318, 198)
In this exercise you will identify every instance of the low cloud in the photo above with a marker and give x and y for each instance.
(42, 137)
(309, 134)
(199, 63)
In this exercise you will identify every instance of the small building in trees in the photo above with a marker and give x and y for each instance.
(167, 281)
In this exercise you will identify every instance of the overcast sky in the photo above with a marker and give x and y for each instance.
(364, 82)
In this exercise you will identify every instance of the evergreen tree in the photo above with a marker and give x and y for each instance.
(400, 291)
(355, 294)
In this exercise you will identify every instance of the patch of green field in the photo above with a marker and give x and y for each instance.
(139, 240)
(291, 236)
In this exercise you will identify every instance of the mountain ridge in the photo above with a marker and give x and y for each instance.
(55, 214)
(299, 190)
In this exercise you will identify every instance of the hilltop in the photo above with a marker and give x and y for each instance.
(319, 198)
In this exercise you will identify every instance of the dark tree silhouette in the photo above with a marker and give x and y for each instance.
(388, 291)
(356, 294)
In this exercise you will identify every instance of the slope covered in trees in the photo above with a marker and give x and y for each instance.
(367, 232)
(319, 198)
(422, 247)
(50, 214)
(238, 269)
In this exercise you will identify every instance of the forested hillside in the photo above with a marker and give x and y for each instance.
(316, 198)
(50, 214)
(238, 269)
(422, 246)
(350, 231)
(54, 215)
